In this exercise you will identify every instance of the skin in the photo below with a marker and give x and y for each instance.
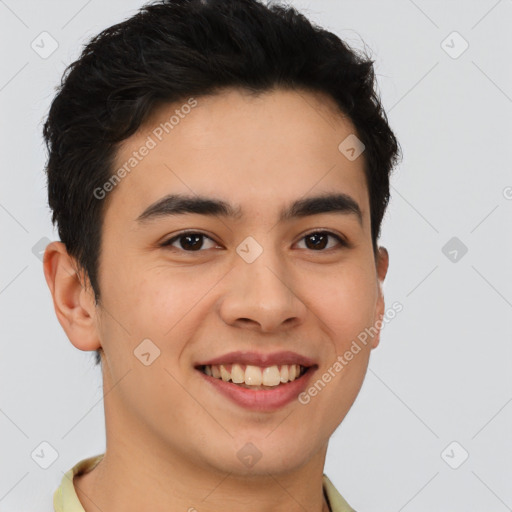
(167, 430)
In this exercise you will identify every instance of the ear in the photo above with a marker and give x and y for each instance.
(382, 264)
(73, 302)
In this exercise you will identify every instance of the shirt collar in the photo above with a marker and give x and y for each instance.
(65, 498)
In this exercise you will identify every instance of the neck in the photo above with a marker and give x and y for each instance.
(152, 467)
(122, 479)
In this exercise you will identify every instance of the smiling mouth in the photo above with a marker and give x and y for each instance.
(255, 377)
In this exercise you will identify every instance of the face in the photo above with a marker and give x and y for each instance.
(255, 281)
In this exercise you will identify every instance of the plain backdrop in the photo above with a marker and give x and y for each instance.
(432, 427)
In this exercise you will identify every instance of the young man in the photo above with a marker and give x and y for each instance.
(218, 171)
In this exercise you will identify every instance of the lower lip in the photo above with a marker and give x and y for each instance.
(262, 399)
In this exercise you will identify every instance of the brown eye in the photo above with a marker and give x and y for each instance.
(318, 240)
(188, 242)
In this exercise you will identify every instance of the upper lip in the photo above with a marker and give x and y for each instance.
(259, 359)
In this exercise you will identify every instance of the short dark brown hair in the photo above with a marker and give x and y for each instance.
(171, 50)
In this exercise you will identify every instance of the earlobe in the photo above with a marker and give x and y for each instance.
(74, 304)
(382, 264)
(382, 269)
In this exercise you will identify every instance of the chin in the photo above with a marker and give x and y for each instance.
(259, 457)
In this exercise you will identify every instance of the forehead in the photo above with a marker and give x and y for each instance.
(272, 148)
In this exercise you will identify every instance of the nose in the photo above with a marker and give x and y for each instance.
(263, 295)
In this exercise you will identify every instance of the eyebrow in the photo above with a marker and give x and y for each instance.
(177, 204)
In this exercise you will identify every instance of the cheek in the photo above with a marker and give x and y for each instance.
(348, 304)
(165, 303)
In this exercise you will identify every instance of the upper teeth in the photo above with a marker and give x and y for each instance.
(254, 375)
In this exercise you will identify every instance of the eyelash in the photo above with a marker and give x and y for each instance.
(170, 241)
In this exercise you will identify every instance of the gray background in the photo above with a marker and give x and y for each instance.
(442, 372)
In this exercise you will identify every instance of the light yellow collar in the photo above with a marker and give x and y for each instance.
(66, 500)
